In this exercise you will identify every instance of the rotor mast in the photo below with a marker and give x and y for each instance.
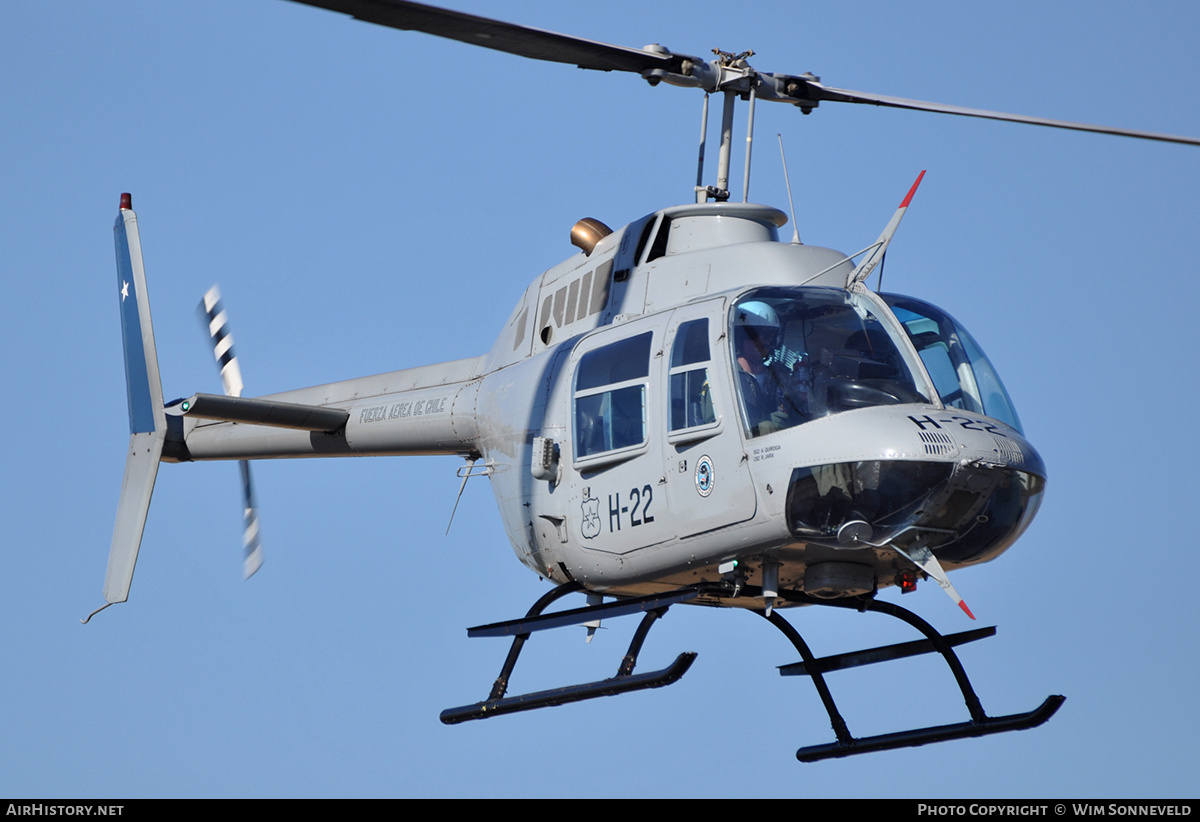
(734, 78)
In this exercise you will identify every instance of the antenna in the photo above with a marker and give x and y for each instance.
(791, 205)
(701, 191)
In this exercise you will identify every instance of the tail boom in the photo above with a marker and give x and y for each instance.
(418, 411)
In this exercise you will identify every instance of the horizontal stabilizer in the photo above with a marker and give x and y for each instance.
(263, 412)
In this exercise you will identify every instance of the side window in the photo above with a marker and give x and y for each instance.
(659, 247)
(691, 399)
(610, 397)
(962, 374)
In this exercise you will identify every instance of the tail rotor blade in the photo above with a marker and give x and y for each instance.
(212, 314)
(251, 541)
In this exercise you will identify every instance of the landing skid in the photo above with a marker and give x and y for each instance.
(980, 723)
(653, 607)
(623, 682)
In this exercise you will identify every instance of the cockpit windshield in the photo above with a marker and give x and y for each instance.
(804, 353)
(963, 376)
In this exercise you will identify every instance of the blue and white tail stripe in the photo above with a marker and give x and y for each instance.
(142, 383)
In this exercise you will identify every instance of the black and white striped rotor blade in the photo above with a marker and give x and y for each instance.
(251, 541)
(212, 314)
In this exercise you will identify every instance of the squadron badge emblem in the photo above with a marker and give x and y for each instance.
(704, 476)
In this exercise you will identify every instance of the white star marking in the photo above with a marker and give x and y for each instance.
(124, 290)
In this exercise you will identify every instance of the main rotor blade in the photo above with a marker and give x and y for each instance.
(678, 69)
(524, 41)
(839, 95)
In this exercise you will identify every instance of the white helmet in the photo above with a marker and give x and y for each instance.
(757, 315)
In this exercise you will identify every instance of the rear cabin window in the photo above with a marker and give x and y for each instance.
(610, 397)
(691, 400)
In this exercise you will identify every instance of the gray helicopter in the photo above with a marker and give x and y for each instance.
(688, 410)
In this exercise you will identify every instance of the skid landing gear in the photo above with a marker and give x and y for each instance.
(980, 723)
(623, 682)
(653, 607)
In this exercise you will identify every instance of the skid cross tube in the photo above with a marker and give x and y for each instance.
(980, 723)
(840, 662)
(624, 681)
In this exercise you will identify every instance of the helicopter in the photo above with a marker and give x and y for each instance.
(645, 468)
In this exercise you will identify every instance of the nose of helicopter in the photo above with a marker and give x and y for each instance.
(961, 484)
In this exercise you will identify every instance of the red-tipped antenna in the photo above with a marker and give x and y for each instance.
(126, 202)
(913, 190)
(879, 247)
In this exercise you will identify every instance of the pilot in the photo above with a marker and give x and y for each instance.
(773, 394)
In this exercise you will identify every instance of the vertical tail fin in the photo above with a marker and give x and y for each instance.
(147, 420)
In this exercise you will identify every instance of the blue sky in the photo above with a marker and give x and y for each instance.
(371, 200)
